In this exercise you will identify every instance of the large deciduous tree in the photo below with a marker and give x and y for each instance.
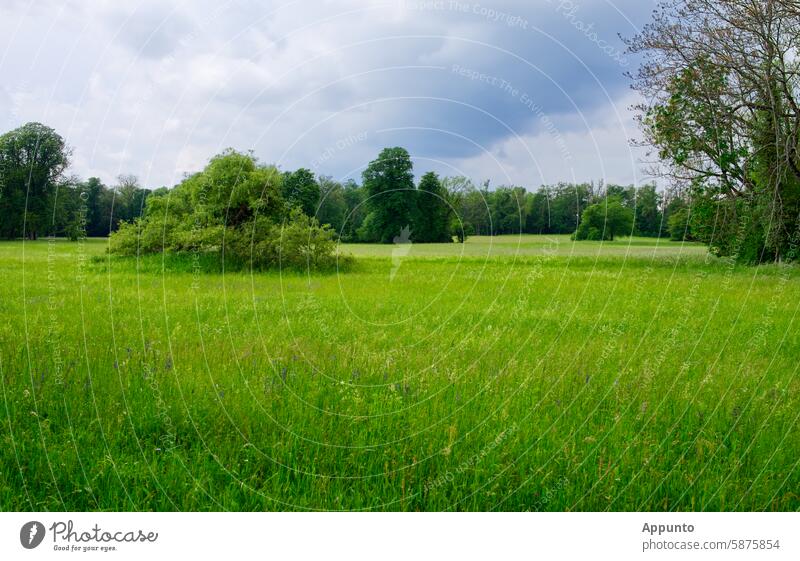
(432, 215)
(722, 84)
(332, 207)
(389, 183)
(605, 220)
(301, 190)
(33, 159)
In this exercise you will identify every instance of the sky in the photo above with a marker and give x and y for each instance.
(515, 92)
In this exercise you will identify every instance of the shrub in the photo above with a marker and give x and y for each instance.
(302, 243)
(231, 209)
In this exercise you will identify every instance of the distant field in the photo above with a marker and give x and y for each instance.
(526, 245)
(535, 373)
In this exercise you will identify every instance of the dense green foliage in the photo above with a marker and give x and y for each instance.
(37, 198)
(550, 210)
(603, 221)
(301, 190)
(33, 159)
(537, 374)
(432, 212)
(235, 194)
(722, 82)
(389, 185)
(234, 209)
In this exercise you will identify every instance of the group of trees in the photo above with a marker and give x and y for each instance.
(722, 80)
(38, 198)
(560, 209)
(393, 202)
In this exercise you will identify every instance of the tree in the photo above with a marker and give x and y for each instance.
(389, 184)
(567, 202)
(32, 160)
(303, 244)
(68, 210)
(127, 200)
(626, 195)
(301, 190)
(537, 212)
(648, 217)
(432, 214)
(472, 214)
(332, 206)
(508, 210)
(678, 225)
(477, 214)
(456, 189)
(97, 216)
(603, 221)
(355, 199)
(722, 80)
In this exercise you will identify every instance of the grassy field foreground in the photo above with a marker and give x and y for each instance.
(510, 373)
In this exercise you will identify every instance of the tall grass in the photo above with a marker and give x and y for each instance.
(554, 376)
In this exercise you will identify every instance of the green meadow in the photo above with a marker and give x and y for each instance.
(507, 373)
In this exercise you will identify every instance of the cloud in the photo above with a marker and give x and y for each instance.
(600, 152)
(157, 89)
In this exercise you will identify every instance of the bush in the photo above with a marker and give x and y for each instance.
(231, 209)
(300, 243)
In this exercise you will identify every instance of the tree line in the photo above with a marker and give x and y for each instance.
(454, 208)
(38, 198)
